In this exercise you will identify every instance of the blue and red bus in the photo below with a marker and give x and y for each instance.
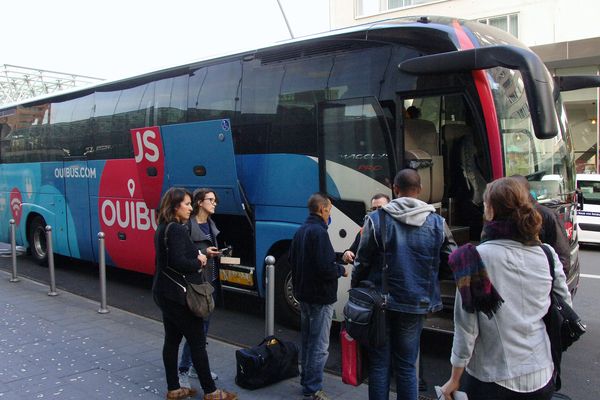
(267, 127)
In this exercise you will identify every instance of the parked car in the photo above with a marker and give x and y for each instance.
(588, 218)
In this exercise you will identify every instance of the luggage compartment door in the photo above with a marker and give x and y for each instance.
(200, 154)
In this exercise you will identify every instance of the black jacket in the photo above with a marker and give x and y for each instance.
(314, 270)
(182, 257)
(554, 234)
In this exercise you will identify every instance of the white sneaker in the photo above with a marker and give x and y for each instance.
(193, 374)
(184, 380)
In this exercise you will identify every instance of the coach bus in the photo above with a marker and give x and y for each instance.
(268, 127)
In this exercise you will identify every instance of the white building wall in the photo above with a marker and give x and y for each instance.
(540, 21)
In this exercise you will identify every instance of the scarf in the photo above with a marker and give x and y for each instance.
(476, 290)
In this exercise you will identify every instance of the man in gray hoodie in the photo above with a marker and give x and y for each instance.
(417, 239)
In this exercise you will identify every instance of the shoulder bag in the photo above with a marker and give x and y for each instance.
(563, 325)
(199, 297)
(365, 312)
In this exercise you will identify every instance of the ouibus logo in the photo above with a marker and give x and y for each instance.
(128, 213)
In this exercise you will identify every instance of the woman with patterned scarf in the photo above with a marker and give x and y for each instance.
(503, 293)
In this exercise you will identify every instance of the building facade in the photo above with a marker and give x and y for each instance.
(564, 33)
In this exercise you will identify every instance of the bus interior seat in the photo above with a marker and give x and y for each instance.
(421, 134)
(431, 171)
(422, 153)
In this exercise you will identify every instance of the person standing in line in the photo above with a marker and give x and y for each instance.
(203, 232)
(377, 201)
(417, 239)
(175, 257)
(552, 231)
(503, 293)
(315, 279)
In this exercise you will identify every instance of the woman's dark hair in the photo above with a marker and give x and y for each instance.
(510, 200)
(199, 195)
(169, 203)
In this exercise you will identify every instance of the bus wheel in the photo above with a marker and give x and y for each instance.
(37, 240)
(287, 308)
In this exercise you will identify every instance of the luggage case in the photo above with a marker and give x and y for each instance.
(271, 361)
(352, 369)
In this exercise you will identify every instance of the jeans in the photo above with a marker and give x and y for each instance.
(315, 326)
(477, 389)
(400, 352)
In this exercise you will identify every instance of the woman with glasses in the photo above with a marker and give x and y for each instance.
(203, 232)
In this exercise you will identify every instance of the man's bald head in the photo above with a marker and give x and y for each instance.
(407, 183)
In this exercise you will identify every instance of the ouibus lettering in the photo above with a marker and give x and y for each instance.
(75, 172)
(128, 214)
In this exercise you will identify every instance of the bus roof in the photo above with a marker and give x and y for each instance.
(375, 31)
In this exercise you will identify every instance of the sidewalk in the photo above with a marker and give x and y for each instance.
(61, 348)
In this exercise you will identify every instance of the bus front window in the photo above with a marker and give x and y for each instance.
(545, 163)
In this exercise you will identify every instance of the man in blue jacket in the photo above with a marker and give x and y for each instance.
(314, 275)
(416, 239)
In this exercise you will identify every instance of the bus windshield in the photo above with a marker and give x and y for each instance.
(546, 163)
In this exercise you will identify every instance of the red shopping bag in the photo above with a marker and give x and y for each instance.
(351, 360)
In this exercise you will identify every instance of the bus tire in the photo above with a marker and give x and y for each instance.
(37, 240)
(287, 308)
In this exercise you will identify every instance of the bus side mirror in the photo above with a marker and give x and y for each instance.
(537, 81)
(579, 199)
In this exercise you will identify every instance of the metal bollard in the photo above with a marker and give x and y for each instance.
(102, 265)
(270, 300)
(50, 255)
(13, 247)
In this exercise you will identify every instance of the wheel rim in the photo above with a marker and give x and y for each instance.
(39, 241)
(289, 294)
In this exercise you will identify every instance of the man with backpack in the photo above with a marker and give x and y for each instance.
(417, 239)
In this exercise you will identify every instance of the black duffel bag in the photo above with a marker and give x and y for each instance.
(273, 360)
(365, 312)
(364, 315)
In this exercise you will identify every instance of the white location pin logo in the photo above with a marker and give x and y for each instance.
(131, 187)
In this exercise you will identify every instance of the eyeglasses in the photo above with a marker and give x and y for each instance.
(375, 208)
(213, 201)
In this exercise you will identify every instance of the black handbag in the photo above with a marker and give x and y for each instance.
(365, 311)
(271, 361)
(198, 296)
(563, 325)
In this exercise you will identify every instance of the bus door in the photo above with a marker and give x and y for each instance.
(200, 154)
(355, 162)
(76, 176)
(442, 143)
(355, 157)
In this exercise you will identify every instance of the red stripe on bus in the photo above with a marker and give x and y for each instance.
(487, 105)
(491, 122)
